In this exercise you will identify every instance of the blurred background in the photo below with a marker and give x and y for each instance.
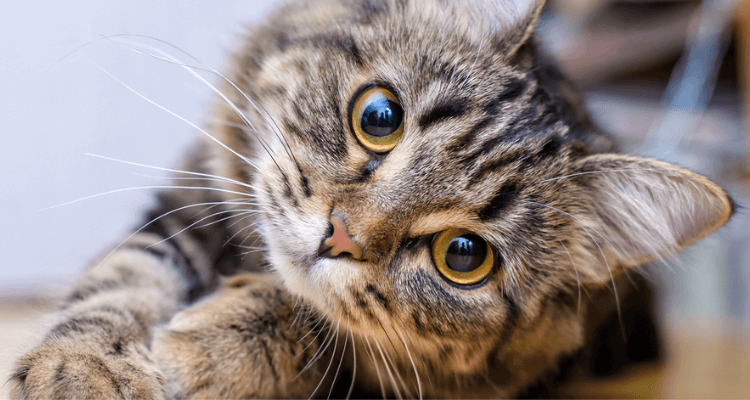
(668, 78)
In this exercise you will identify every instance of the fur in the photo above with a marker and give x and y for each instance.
(495, 142)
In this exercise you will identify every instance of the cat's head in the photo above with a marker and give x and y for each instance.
(466, 195)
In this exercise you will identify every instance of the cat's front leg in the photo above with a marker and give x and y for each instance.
(74, 367)
(245, 341)
(97, 348)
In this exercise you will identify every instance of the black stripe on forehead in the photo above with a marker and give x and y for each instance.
(463, 141)
(442, 111)
(530, 124)
(333, 42)
(501, 201)
(512, 91)
(490, 166)
(551, 147)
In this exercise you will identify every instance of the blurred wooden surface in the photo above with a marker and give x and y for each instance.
(704, 360)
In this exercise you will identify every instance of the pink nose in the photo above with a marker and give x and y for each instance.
(339, 242)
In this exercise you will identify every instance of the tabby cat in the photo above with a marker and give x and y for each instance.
(401, 198)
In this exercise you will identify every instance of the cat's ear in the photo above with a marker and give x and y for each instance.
(518, 21)
(644, 209)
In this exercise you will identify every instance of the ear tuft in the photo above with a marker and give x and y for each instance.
(645, 209)
(518, 19)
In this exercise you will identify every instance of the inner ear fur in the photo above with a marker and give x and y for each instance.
(523, 16)
(645, 209)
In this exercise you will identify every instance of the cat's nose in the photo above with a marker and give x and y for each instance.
(338, 241)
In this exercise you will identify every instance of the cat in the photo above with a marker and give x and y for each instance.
(400, 198)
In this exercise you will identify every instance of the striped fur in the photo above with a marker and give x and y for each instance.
(495, 141)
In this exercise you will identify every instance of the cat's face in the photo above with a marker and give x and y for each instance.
(489, 148)
(479, 138)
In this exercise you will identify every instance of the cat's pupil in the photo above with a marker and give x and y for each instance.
(466, 253)
(381, 117)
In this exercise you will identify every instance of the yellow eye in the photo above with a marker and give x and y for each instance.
(377, 119)
(461, 256)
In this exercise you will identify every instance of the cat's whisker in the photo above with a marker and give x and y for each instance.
(606, 263)
(234, 107)
(343, 354)
(309, 315)
(198, 174)
(255, 250)
(605, 172)
(251, 230)
(304, 318)
(166, 57)
(377, 367)
(396, 370)
(578, 279)
(276, 128)
(174, 114)
(242, 212)
(211, 204)
(320, 319)
(414, 366)
(395, 351)
(354, 365)
(242, 219)
(191, 226)
(298, 314)
(185, 178)
(388, 370)
(335, 339)
(252, 248)
(253, 225)
(145, 188)
(320, 351)
(424, 365)
(160, 58)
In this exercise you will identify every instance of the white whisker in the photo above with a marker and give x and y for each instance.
(354, 369)
(146, 188)
(388, 370)
(333, 354)
(191, 226)
(183, 119)
(242, 211)
(343, 354)
(377, 368)
(416, 373)
(199, 174)
(578, 280)
(154, 220)
(234, 107)
(606, 263)
(604, 172)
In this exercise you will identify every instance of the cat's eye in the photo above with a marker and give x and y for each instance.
(377, 119)
(461, 256)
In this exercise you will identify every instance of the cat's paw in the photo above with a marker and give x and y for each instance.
(63, 368)
(241, 342)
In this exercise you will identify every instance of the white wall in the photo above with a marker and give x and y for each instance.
(57, 104)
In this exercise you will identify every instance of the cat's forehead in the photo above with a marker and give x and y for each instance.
(406, 29)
